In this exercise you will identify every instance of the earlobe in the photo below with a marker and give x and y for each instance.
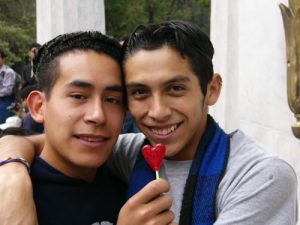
(35, 104)
(214, 89)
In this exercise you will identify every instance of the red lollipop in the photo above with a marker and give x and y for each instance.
(154, 156)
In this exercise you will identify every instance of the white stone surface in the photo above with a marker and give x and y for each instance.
(249, 42)
(55, 17)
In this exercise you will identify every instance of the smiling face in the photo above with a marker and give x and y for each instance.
(84, 113)
(165, 100)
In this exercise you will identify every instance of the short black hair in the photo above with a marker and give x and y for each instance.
(2, 54)
(184, 37)
(45, 64)
(19, 131)
(35, 45)
(26, 91)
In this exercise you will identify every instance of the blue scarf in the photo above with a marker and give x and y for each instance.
(206, 172)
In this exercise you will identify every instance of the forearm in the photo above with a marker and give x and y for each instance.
(25, 147)
(17, 204)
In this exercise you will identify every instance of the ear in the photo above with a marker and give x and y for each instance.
(35, 103)
(214, 89)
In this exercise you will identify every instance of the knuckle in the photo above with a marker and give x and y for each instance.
(171, 215)
(167, 200)
(143, 214)
(159, 186)
(130, 205)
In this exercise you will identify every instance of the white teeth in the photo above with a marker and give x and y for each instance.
(90, 139)
(164, 131)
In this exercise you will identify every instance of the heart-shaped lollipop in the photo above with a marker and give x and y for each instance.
(154, 156)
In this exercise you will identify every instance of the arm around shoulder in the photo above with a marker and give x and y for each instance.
(21, 146)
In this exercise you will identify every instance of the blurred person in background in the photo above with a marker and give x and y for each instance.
(28, 78)
(7, 83)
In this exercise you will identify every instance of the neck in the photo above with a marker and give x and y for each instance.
(188, 151)
(67, 167)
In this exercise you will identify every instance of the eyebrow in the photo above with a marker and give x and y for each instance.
(84, 84)
(114, 88)
(79, 83)
(178, 78)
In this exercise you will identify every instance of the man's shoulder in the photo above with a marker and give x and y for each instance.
(256, 186)
(243, 147)
(248, 160)
(8, 69)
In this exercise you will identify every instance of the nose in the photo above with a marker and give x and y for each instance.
(159, 109)
(95, 113)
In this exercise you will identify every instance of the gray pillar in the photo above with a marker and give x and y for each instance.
(55, 17)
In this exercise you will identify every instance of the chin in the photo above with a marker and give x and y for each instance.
(91, 163)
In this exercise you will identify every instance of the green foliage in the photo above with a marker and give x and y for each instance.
(18, 19)
(122, 16)
(17, 28)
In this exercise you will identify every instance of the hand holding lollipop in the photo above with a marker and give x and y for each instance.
(154, 156)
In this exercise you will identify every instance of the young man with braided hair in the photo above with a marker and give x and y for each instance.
(215, 177)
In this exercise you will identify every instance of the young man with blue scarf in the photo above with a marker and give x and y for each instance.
(215, 177)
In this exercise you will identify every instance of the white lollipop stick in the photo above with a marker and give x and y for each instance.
(157, 174)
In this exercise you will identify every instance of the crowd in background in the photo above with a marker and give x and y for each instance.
(14, 89)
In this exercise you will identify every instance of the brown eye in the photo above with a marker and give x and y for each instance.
(113, 100)
(138, 93)
(78, 96)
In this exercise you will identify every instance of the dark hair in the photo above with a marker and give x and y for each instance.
(45, 64)
(2, 54)
(184, 37)
(19, 131)
(26, 91)
(34, 45)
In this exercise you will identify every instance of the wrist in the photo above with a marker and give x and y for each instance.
(15, 175)
(15, 159)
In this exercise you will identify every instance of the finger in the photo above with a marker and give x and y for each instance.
(158, 205)
(150, 191)
(164, 218)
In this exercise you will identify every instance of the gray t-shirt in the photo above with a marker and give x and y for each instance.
(257, 188)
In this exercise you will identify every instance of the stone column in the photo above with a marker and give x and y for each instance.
(250, 55)
(55, 17)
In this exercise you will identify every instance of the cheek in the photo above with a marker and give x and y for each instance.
(116, 118)
(136, 108)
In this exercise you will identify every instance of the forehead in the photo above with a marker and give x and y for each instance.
(157, 66)
(89, 65)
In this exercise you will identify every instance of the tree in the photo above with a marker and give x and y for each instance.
(18, 20)
(17, 28)
(122, 16)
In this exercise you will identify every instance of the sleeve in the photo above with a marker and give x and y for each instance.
(8, 83)
(124, 155)
(265, 194)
